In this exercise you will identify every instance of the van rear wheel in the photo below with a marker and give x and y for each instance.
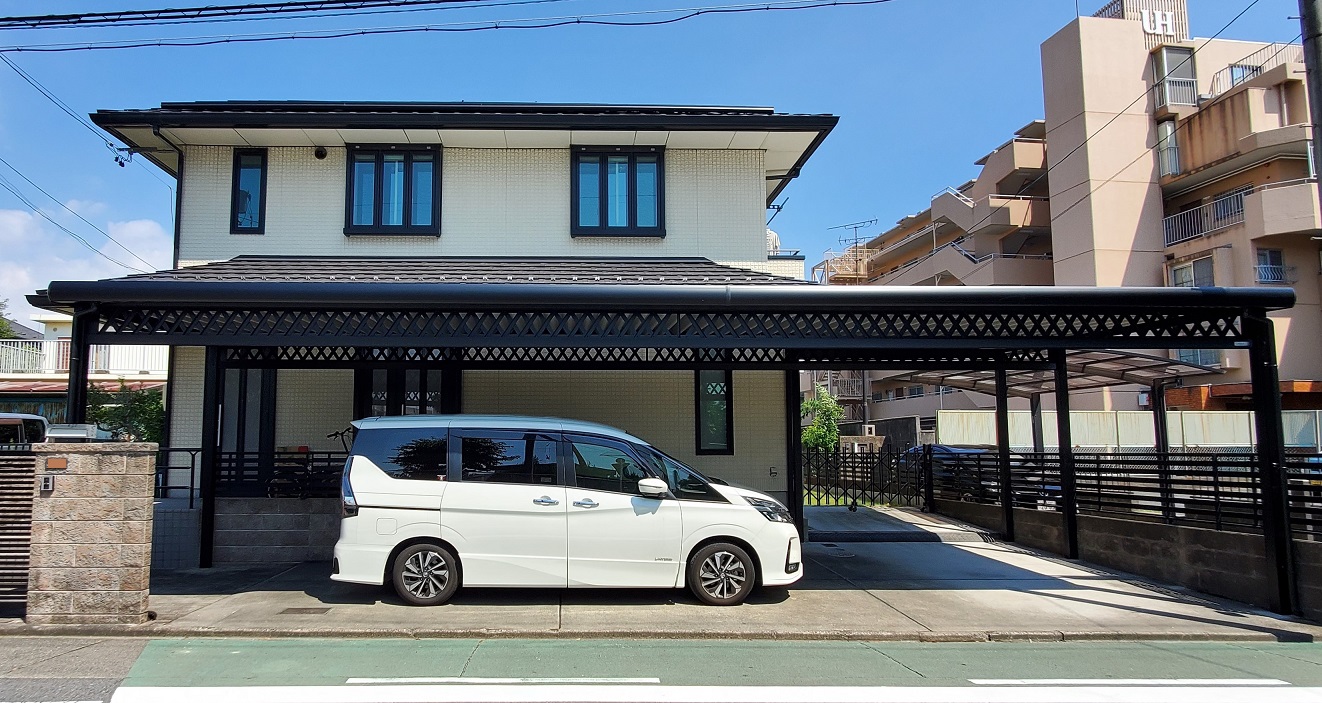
(721, 574)
(425, 574)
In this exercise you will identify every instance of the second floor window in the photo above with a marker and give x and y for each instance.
(248, 192)
(393, 191)
(617, 192)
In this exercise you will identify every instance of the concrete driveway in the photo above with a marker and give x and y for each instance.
(947, 583)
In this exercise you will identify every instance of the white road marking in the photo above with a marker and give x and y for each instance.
(725, 694)
(494, 681)
(1128, 682)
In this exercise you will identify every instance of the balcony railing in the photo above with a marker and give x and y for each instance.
(1177, 91)
(1205, 219)
(51, 356)
(1255, 64)
(1274, 273)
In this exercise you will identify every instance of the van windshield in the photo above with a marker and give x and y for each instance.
(685, 482)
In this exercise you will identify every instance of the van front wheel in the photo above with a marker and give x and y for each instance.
(721, 574)
(425, 574)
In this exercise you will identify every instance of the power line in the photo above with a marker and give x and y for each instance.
(64, 107)
(453, 27)
(120, 17)
(4, 183)
(74, 213)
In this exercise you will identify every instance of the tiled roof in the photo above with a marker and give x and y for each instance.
(461, 269)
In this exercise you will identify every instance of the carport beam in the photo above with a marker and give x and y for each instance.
(1069, 496)
(1003, 451)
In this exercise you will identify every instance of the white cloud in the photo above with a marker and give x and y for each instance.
(33, 253)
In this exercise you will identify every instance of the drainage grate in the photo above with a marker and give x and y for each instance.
(304, 611)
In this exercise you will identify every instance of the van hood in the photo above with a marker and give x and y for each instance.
(736, 494)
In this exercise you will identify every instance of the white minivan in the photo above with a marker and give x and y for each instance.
(435, 501)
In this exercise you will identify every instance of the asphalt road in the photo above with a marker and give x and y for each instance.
(49, 669)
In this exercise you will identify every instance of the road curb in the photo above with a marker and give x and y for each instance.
(149, 631)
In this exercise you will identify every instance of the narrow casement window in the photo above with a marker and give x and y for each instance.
(714, 412)
(393, 191)
(248, 196)
(617, 192)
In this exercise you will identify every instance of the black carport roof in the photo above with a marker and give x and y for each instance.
(695, 309)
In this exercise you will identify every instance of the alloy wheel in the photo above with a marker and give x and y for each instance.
(426, 574)
(722, 575)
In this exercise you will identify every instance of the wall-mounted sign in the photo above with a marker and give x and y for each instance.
(1158, 22)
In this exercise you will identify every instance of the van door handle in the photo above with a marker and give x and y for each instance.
(546, 500)
(585, 503)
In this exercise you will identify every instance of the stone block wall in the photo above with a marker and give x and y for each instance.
(91, 534)
(275, 529)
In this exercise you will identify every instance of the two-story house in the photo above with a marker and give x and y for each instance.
(445, 193)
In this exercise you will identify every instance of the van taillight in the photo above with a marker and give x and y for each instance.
(348, 504)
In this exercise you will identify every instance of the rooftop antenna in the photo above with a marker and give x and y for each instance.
(775, 210)
(850, 262)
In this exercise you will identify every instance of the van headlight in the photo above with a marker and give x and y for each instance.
(770, 509)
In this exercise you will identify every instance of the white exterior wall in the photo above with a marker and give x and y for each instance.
(494, 202)
(656, 406)
(310, 404)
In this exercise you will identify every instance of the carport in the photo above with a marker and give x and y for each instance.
(257, 317)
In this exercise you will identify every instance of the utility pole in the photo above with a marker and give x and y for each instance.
(1310, 17)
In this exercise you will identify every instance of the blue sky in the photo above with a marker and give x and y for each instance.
(923, 88)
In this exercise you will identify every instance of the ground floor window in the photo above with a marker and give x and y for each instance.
(714, 412)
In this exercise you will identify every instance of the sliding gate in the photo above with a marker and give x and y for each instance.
(865, 478)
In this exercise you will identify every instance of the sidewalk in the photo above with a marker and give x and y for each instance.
(954, 589)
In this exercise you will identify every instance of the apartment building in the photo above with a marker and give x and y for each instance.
(34, 371)
(1161, 160)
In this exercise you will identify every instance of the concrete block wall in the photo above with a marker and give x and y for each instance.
(92, 534)
(266, 530)
(1308, 565)
(656, 406)
(493, 201)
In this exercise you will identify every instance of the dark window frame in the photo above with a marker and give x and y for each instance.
(632, 230)
(261, 197)
(728, 449)
(376, 228)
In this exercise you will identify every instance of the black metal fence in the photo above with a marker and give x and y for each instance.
(1219, 491)
(862, 478)
(311, 474)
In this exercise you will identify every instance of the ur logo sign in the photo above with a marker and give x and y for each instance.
(1159, 22)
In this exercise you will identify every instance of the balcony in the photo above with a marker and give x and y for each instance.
(51, 356)
(1285, 207)
(1177, 91)
(1204, 219)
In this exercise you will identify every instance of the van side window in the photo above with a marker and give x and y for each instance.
(602, 467)
(10, 433)
(415, 454)
(508, 457)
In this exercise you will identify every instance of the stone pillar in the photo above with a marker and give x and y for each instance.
(91, 534)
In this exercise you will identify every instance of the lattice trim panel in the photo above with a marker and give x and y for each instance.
(642, 329)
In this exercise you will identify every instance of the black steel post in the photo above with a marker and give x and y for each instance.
(928, 479)
(1003, 451)
(1271, 460)
(85, 319)
(1035, 408)
(1162, 444)
(452, 390)
(1069, 496)
(794, 453)
(213, 375)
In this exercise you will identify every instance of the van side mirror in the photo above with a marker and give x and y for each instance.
(653, 488)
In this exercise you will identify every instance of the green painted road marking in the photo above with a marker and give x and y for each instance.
(208, 662)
